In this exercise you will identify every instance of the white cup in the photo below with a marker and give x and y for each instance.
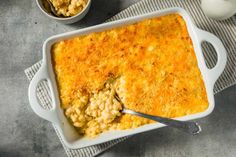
(219, 9)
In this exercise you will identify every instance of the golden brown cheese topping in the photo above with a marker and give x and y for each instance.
(154, 66)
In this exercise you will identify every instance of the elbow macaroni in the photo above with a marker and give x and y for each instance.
(95, 114)
(69, 7)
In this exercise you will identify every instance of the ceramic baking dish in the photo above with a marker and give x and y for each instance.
(56, 115)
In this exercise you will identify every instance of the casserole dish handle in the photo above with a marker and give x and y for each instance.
(216, 71)
(50, 115)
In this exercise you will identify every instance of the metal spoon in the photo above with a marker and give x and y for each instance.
(52, 8)
(188, 127)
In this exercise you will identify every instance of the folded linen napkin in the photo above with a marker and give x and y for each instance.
(225, 30)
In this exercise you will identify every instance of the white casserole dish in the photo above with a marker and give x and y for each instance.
(56, 115)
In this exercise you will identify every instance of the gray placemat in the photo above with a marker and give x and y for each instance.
(225, 30)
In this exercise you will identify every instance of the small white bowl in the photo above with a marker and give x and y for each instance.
(65, 20)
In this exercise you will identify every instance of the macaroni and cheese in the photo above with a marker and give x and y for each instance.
(154, 71)
(68, 8)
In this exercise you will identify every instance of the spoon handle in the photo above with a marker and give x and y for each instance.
(189, 127)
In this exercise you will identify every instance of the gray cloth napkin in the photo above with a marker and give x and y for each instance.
(225, 30)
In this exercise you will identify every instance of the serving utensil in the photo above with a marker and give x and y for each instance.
(51, 7)
(188, 127)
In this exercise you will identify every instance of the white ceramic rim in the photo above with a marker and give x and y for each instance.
(63, 18)
(55, 114)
